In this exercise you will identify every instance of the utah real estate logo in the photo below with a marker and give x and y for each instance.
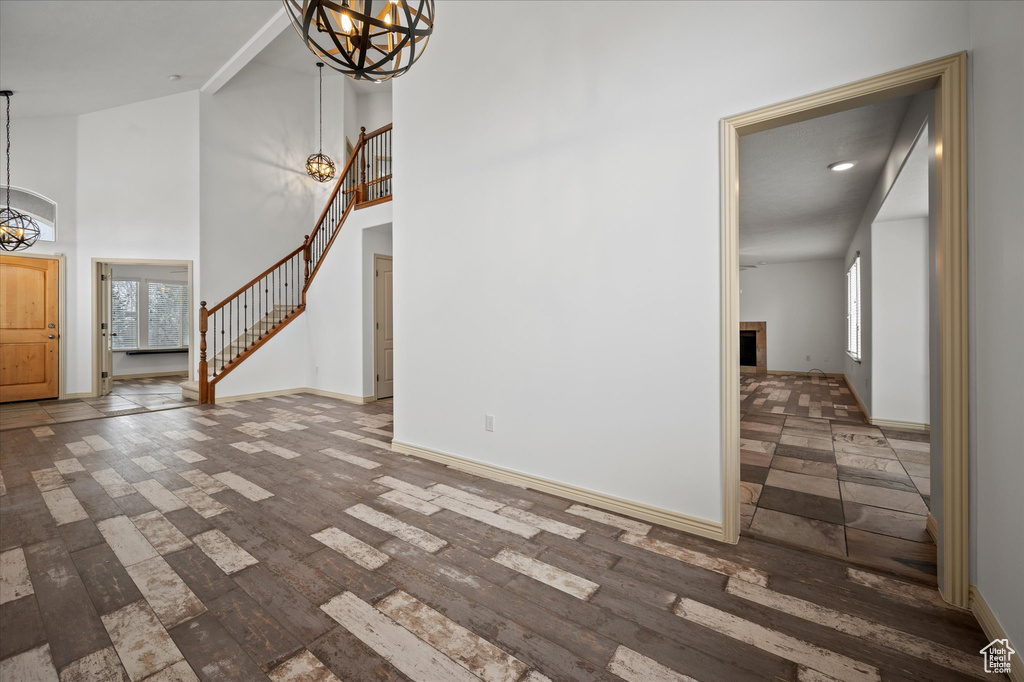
(997, 656)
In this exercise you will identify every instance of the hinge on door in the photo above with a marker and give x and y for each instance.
(103, 278)
(378, 325)
(103, 325)
(376, 273)
(378, 377)
(104, 375)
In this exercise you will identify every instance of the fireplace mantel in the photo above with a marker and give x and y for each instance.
(762, 347)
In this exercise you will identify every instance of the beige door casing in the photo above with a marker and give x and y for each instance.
(106, 285)
(29, 328)
(947, 76)
(383, 328)
(100, 343)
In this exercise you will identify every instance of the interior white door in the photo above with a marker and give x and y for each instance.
(106, 329)
(384, 338)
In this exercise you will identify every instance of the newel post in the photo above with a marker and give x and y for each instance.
(306, 257)
(204, 378)
(361, 192)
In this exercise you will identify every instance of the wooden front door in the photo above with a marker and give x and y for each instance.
(29, 332)
(384, 337)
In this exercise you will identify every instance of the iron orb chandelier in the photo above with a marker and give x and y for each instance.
(372, 40)
(320, 167)
(17, 230)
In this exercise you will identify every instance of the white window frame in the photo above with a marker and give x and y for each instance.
(188, 311)
(138, 314)
(142, 315)
(854, 309)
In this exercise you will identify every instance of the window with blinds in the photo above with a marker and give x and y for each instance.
(853, 318)
(125, 314)
(167, 326)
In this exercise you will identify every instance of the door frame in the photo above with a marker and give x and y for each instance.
(947, 76)
(62, 315)
(95, 269)
(376, 291)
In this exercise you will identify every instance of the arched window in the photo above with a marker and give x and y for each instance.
(39, 207)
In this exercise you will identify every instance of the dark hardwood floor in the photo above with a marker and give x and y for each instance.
(281, 538)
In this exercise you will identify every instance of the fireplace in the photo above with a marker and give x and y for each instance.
(748, 348)
(754, 347)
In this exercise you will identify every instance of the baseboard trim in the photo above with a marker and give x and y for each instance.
(637, 510)
(146, 375)
(359, 400)
(831, 375)
(905, 426)
(302, 389)
(994, 630)
(856, 396)
(932, 527)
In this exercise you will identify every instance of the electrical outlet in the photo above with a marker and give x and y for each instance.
(808, 358)
(488, 422)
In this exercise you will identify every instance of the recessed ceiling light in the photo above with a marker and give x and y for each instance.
(841, 165)
(174, 77)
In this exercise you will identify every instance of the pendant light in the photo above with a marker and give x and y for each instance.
(320, 166)
(366, 39)
(18, 230)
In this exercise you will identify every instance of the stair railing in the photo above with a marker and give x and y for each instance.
(249, 317)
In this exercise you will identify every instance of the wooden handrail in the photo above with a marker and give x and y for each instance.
(255, 279)
(307, 271)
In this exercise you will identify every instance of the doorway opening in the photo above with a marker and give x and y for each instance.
(818, 396)
(144, 319)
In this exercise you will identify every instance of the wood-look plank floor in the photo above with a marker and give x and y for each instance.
(282, 539)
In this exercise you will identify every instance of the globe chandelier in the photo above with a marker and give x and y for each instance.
(319, 166)
(372, 40)
(18, 230)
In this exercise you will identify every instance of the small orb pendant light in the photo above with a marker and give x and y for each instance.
(320, 166)
(365, 39)
(18, 230)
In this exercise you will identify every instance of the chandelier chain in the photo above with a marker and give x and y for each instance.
(8, 132)
(320, 68)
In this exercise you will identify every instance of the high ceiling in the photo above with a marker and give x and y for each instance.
(792, 207)
(288, 52)
(67, 57)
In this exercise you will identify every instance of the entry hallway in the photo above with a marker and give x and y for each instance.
(281, 538)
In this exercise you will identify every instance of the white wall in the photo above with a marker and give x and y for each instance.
(860, 373)
(804, 306)
(996, 248)
(126, 181)
(899, 324)
(336, 305)
(373, 110)
(257, 200)
(558, 250)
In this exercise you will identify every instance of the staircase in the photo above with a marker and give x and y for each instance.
(233, 329)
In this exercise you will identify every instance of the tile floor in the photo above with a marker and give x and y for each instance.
(127, 397)
(282, 538)
(815, 474)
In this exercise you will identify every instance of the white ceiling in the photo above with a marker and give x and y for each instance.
(908, 197)
(67, 57)
(792, 207)
(288, 52)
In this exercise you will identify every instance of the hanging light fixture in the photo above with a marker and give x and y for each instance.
(365, 39)
(17, 230)
(320, 166)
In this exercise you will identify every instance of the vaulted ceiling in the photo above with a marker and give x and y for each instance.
(68, 57)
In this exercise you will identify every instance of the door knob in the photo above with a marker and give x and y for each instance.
(51, 336)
